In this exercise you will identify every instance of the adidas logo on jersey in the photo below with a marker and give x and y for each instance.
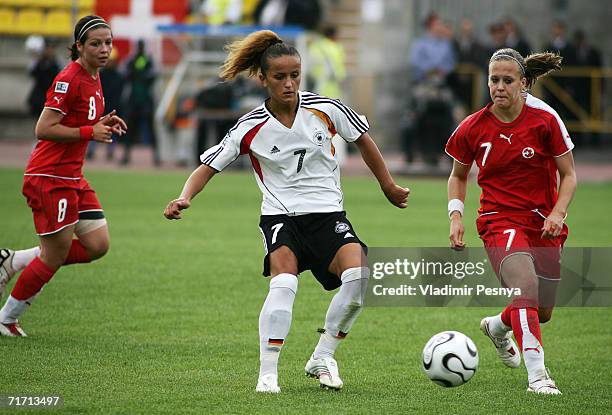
(274, 150)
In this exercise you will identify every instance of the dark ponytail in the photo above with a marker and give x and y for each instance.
(87, 23)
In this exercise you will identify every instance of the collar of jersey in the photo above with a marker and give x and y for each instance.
(271, 114)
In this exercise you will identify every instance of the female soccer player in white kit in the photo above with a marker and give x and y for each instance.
(288, 139)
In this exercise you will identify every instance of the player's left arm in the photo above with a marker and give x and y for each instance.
(397, 195)
(553, 224)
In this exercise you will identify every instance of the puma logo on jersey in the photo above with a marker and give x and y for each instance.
(58, 99)
(98, 94)
(274, 150)
(506, 137)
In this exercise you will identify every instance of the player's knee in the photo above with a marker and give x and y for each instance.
(55, 257)
(98, 248)
(545, 314)
(355, 281)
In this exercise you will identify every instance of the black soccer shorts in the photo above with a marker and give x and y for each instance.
(314, 238)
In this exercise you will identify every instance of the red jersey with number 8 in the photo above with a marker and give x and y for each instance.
(78, 96)
(517, 170)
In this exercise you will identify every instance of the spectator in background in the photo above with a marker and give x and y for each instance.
(220, 12)
(140, 77)
(303, 13)
(560, 44)
(327, 71)
(43, 70)
(497, 38)
(112, 81)
(472, 55)
(585, 56)
(432, 59)
(514, 37)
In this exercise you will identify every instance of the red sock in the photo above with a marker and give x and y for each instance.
(506, 316)
(32, 279)
(524, 320)
(77, 254)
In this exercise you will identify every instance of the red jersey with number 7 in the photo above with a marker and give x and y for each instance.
(516, 159)
(78, 96)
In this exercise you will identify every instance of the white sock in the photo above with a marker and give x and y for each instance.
(497, 327)
(533, 352)
(13, 309)
(24, 257)
(275, 321)
(343, 310)
(327, 346)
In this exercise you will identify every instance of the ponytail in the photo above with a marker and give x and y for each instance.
(252, 53)
(541, 64)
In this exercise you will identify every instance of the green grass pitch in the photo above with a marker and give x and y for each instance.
(167, 321)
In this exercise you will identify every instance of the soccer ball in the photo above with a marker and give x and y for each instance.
(450, 359)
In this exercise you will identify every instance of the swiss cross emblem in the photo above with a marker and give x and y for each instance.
(528, 152)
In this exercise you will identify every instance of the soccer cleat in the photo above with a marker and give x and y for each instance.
(6, 268)
(544, 386)
(268, 384)
(12, 330)
(326, 370)
(506, 348)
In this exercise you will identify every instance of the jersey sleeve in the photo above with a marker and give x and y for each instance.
(223, 154)
(458, 145)
(560, 141)
(61, 93)
(348, 123)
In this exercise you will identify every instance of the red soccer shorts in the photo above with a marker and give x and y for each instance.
(506, 234)
(56, 203)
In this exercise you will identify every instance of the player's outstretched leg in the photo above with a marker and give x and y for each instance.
(343, 310)
(500, 333)
(274, 324)
(11, 262)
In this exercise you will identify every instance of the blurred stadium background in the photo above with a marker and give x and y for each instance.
(167, 322)
(184, 40)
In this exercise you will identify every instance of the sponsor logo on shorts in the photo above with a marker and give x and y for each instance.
(528, 152)
(341, 227)
(61, 87)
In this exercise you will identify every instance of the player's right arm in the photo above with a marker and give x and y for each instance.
(49, 128)
(194, 185)
(457, 189)
(460, 148)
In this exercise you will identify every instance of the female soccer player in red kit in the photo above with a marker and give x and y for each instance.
(67, 214)
(519, 144)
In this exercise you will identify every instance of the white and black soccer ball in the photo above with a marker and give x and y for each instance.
(450, 359)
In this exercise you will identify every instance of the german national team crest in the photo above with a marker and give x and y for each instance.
(528, 152)
(319, 137)
(341, 227)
